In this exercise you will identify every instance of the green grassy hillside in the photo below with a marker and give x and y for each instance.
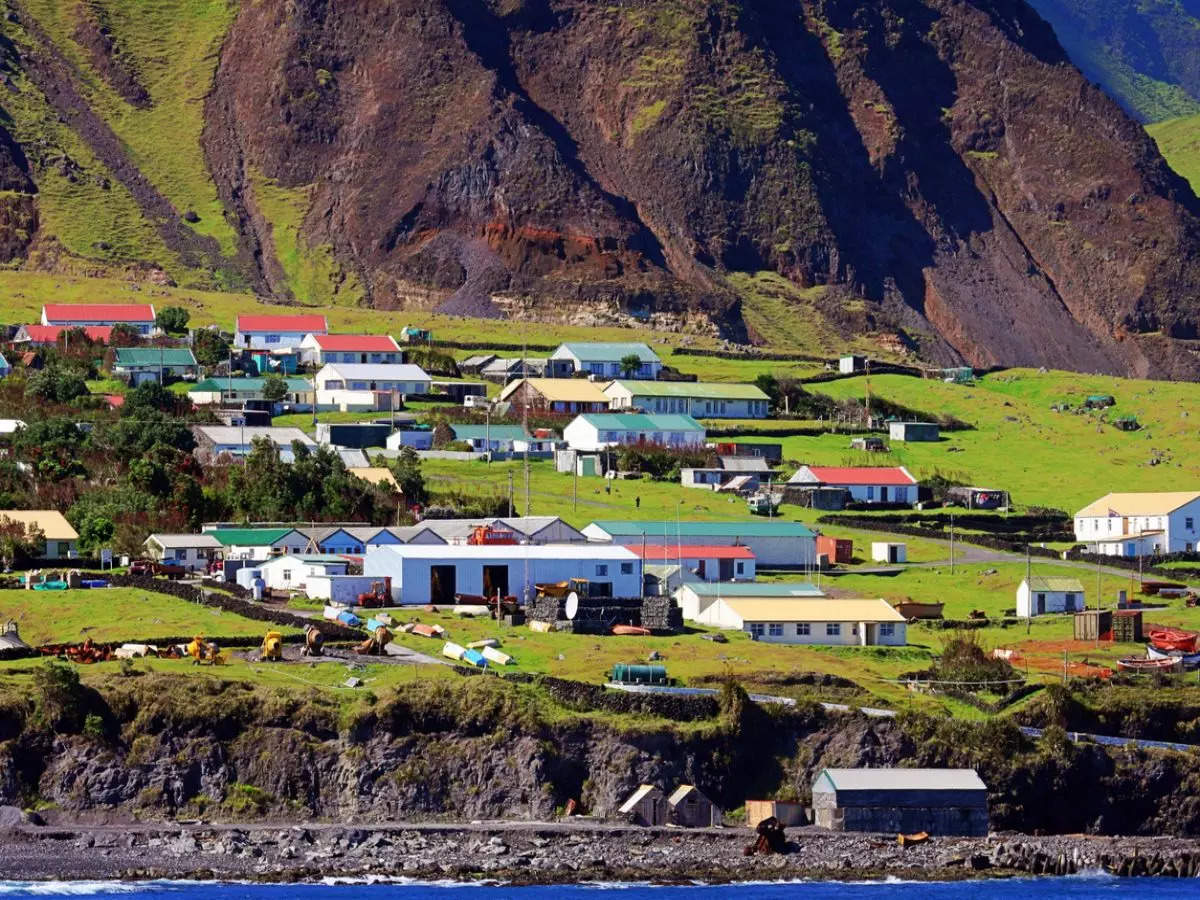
(1179, 142)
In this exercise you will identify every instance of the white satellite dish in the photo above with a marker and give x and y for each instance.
(572, 608)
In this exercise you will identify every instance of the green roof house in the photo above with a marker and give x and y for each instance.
(604, 360)
(258, 544)
(591, 432)
(700, 399)
(140, 364)
(775, 542)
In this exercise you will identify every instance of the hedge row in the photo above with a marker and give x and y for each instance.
(873, 523)
(1133, 563)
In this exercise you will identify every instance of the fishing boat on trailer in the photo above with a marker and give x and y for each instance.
(1173, 639)
(1187, 660)
(1146, 664)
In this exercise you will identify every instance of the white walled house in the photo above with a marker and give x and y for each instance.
(291, 573)
(706, 563)
(1043, 594)
(697, 599)
(258, 544)
(350, 386)
(773, 542)
(422, 574)
(1141, 524)
(373, 349)
(195, 551)
(701, 400)
(262, 332)
(600, 431)
(602, 360)
(140, 316)
(236, 441)
(866, 484)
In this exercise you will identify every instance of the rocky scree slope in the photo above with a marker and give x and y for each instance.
(615, 162)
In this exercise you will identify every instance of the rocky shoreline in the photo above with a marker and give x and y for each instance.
(550, 853)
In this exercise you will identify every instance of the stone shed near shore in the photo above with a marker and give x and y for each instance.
(937, 801)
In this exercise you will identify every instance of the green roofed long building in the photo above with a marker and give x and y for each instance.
(258, 544)
(215, 391)
(604, 360)
(775, 543)
(699, 399)
(591, 432)
(140, 364)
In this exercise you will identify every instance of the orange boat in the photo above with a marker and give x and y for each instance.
(631, 629)
(1173, 639)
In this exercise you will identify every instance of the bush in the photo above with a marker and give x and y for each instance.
(60, 696)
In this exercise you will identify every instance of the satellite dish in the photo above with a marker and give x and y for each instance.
(572, 608)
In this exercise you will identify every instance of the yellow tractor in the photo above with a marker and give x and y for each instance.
(272, 647)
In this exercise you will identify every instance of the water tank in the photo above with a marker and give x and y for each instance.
(624, 673)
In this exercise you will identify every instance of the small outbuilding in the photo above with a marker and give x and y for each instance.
(914, 432)
(786, 812)
(646, 806)
(888, 552)
(689, 807)
(1041, 594)
(901, 801)
(848, 365)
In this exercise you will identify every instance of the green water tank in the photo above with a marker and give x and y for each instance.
(625, 673)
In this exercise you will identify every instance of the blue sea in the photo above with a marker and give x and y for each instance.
(1083, 887)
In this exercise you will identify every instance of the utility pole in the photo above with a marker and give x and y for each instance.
(525, 419)
(575, 481)
(951, 543)
(1028, 589)
(867, 369)
(510, 493)
(487, 432)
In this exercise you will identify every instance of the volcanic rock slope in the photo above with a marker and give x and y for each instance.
(941, 159)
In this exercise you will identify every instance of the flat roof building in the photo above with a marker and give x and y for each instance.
(901, 801)
(774, 542)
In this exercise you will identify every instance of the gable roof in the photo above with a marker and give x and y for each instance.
(295, 385)
(185, 541)
(1147, 503)
(143, 357)
(52, 524)
(375, 475)
(250, 537)
(738, 529)
(357, 343)
(903, 779)
(759, 590)
(239, 434)
(836, 475)
(1055, 584)
(49, 334)
(98, 312)
(602, 351)
(678, 795)
(637, 797)
(703, 390)
(561, 390)
(639, 422)
(301, 324)
(672, 552)
(376, 371)
(493, 432)
(805, 609)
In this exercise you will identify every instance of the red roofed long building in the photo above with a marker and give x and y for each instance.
(866, 484)
(322, 349)
(703, 562)
(39, 335)
(80, 315)
(263, 332)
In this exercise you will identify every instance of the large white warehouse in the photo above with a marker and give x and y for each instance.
(425, 573)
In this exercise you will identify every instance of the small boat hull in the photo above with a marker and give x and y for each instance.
(1148, 664)
(1173, 639)
(452, 650)
(474, 658)
(631, 630)
(429, 631)
(500, 658)
(1187, 660)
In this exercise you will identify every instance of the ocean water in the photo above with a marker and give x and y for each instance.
(1082, 887)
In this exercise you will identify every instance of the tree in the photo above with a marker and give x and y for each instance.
(209, 347)
(631, 364)
(172, 319)
(274, 388)
(124, 335)
(149, 395)
(52, 448)
(55, 385)
(19, 542)
(133, 435)
(443, 434)
(95, 533)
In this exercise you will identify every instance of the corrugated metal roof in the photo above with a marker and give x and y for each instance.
(312, 324)
(811, 609)
(680, 792)
(1151, 503)
(154, 356)
(837, 475)
(48, 334)
(1055, 584)
(236, 435)
(638, 422)
(904, 779)
(763, 590)
(601, 351)
(295, 385)
(560, 390)
(358, 343)
(178, 541)
(98, 312)
(376, 371)
(739, 529)
(451, 552)
(636, 797)
(700, 390)
(249, 537)
(691, 551)
(743, 464)
(489, 432)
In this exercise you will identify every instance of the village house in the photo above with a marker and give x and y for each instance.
(719, 479)
(355, 386)
(291, 572)
(1141, 524)
(645, 806)
(701, 400)
(140, 316)
(500, 439)
(341, 540)
(901, 801)
(355, 435)
(1041, 594)
(773, 542)
(555, 395)
(59, 539)
(516, 529)
(865, 484)
(216, 391)
(604, 360)
(193, 551)
(914, 432)
(849, 365)
(137, 365)
(215, 441)
(503, 369)
(374, 349)
(419, 437)
(48, 335)
(690, 808)
(394, 535)
(277, 332)
(422, 574)
(781, 613)
(257, 544)
(721, 563)
(599, 431)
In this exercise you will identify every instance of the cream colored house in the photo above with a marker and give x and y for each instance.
(61, 540)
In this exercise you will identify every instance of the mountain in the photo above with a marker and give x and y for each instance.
(1145, 53)
(934, 173)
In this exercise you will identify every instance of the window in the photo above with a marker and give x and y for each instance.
(803, 629)
(1070, 602)
(775, 629)
(271, 339)
(756, 629)
(1189, 523)
(741, 568)
(887, 629)
(833, 629)
(601, 570)
(287, 574)
(626, 568)
(870, 492)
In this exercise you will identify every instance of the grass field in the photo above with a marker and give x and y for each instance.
(116, 614)
(1179, 142)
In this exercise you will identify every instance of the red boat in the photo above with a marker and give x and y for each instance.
(631, 629)
(1144, 664)
(1173, 639)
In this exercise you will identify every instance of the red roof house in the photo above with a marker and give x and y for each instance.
(38, 335)
(865, 484)
(140, 315)
(277, 332)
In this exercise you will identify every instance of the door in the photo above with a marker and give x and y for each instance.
(726, 569)
(1041, 604)
(443, 584)
(700, 570)
(495, 578)
(883, 495)
(893, 554)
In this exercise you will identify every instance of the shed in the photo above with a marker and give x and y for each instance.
(787, 813)
(646, 806)
(835, 550)
(1127, 626)
(848, 365)
(937, 801)
(688, 806)
(914, 432)
(1041, 594)
(1093, 625)
(888, 552)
